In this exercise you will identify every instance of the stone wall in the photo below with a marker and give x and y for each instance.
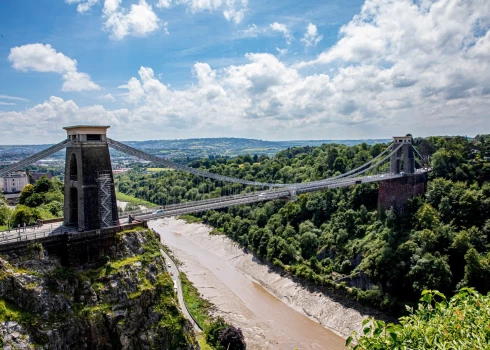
(396, 192)
(73, 250)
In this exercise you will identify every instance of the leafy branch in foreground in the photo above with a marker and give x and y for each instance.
(463, 322)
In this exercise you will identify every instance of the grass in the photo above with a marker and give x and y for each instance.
(201, 339)
(197, 306)
(10, 312)
(133, 200)
(120, 263)
(190, 219)
(156, 170)
(218, 231)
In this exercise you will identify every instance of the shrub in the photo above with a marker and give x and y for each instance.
(460, 323)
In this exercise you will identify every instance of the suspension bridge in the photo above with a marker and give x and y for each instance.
(90, 199)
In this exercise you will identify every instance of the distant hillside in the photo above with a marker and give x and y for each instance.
(228, 146)
(194, 148)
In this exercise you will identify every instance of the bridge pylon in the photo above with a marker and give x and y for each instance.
(403, 160)
(90, 195)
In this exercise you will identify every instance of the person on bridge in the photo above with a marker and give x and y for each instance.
(24, 227)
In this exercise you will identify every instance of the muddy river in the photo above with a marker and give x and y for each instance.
(266, 321)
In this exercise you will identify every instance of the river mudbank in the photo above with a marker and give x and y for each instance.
(251, 295)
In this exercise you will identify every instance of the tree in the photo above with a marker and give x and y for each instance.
(3, 200)
(23, 214)
(26, 192)
(42, 185)
(427, 217)
(444, 163)
(214, 330)
(231, 338)
(477, 271)
(430, 272)
(309, 244)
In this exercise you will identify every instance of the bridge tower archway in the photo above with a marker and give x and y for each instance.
(73, 168)
(88, 205)
(73, 213)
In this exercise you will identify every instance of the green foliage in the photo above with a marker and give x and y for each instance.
(190, 219)
(5, 211)
(231, 338)
(45, 198)
(329, 235)
(198, 307)
(214, 330)
(10, 312)
(135, 202)
(460, 323)
(477, 270)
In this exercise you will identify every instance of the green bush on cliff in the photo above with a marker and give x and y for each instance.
(462, 322)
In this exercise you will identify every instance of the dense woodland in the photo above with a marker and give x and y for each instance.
(440, 241)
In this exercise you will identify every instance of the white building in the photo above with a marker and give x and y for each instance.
(13, 182)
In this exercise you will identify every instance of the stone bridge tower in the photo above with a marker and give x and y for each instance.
(395, 193)
(403, 160)
(90, 196)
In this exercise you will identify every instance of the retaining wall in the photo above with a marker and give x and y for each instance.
(73, 249)
(395, 193)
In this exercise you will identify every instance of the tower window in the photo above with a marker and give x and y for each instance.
(93, 137)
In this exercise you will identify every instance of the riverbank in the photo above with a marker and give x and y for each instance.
(259, 333)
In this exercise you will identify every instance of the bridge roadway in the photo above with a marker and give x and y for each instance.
(207, 204)
(248, 198)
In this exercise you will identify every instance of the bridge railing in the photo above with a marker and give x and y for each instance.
(17, 235)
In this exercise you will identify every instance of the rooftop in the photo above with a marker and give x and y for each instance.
(86, 129)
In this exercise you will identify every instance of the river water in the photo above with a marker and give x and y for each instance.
(266, 321)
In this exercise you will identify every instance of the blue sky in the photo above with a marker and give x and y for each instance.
(266, 69)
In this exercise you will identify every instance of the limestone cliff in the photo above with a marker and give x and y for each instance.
(127, 302)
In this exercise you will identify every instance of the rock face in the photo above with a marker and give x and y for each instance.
(125, 303)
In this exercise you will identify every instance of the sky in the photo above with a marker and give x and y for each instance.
(274, 70)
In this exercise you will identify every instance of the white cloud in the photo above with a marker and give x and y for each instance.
(233, 10)
(398, 67)
(252, 31)
(44, 58)
(282, 28)
(7, 103)
(282, 52)
(165, 28)
(14, 98)
(50, 116)
(135, 91)
(107, 97)
(83, 5)
(311, 37)
(139, 21)
(234, 15)
(40, 58)
(165, 3)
